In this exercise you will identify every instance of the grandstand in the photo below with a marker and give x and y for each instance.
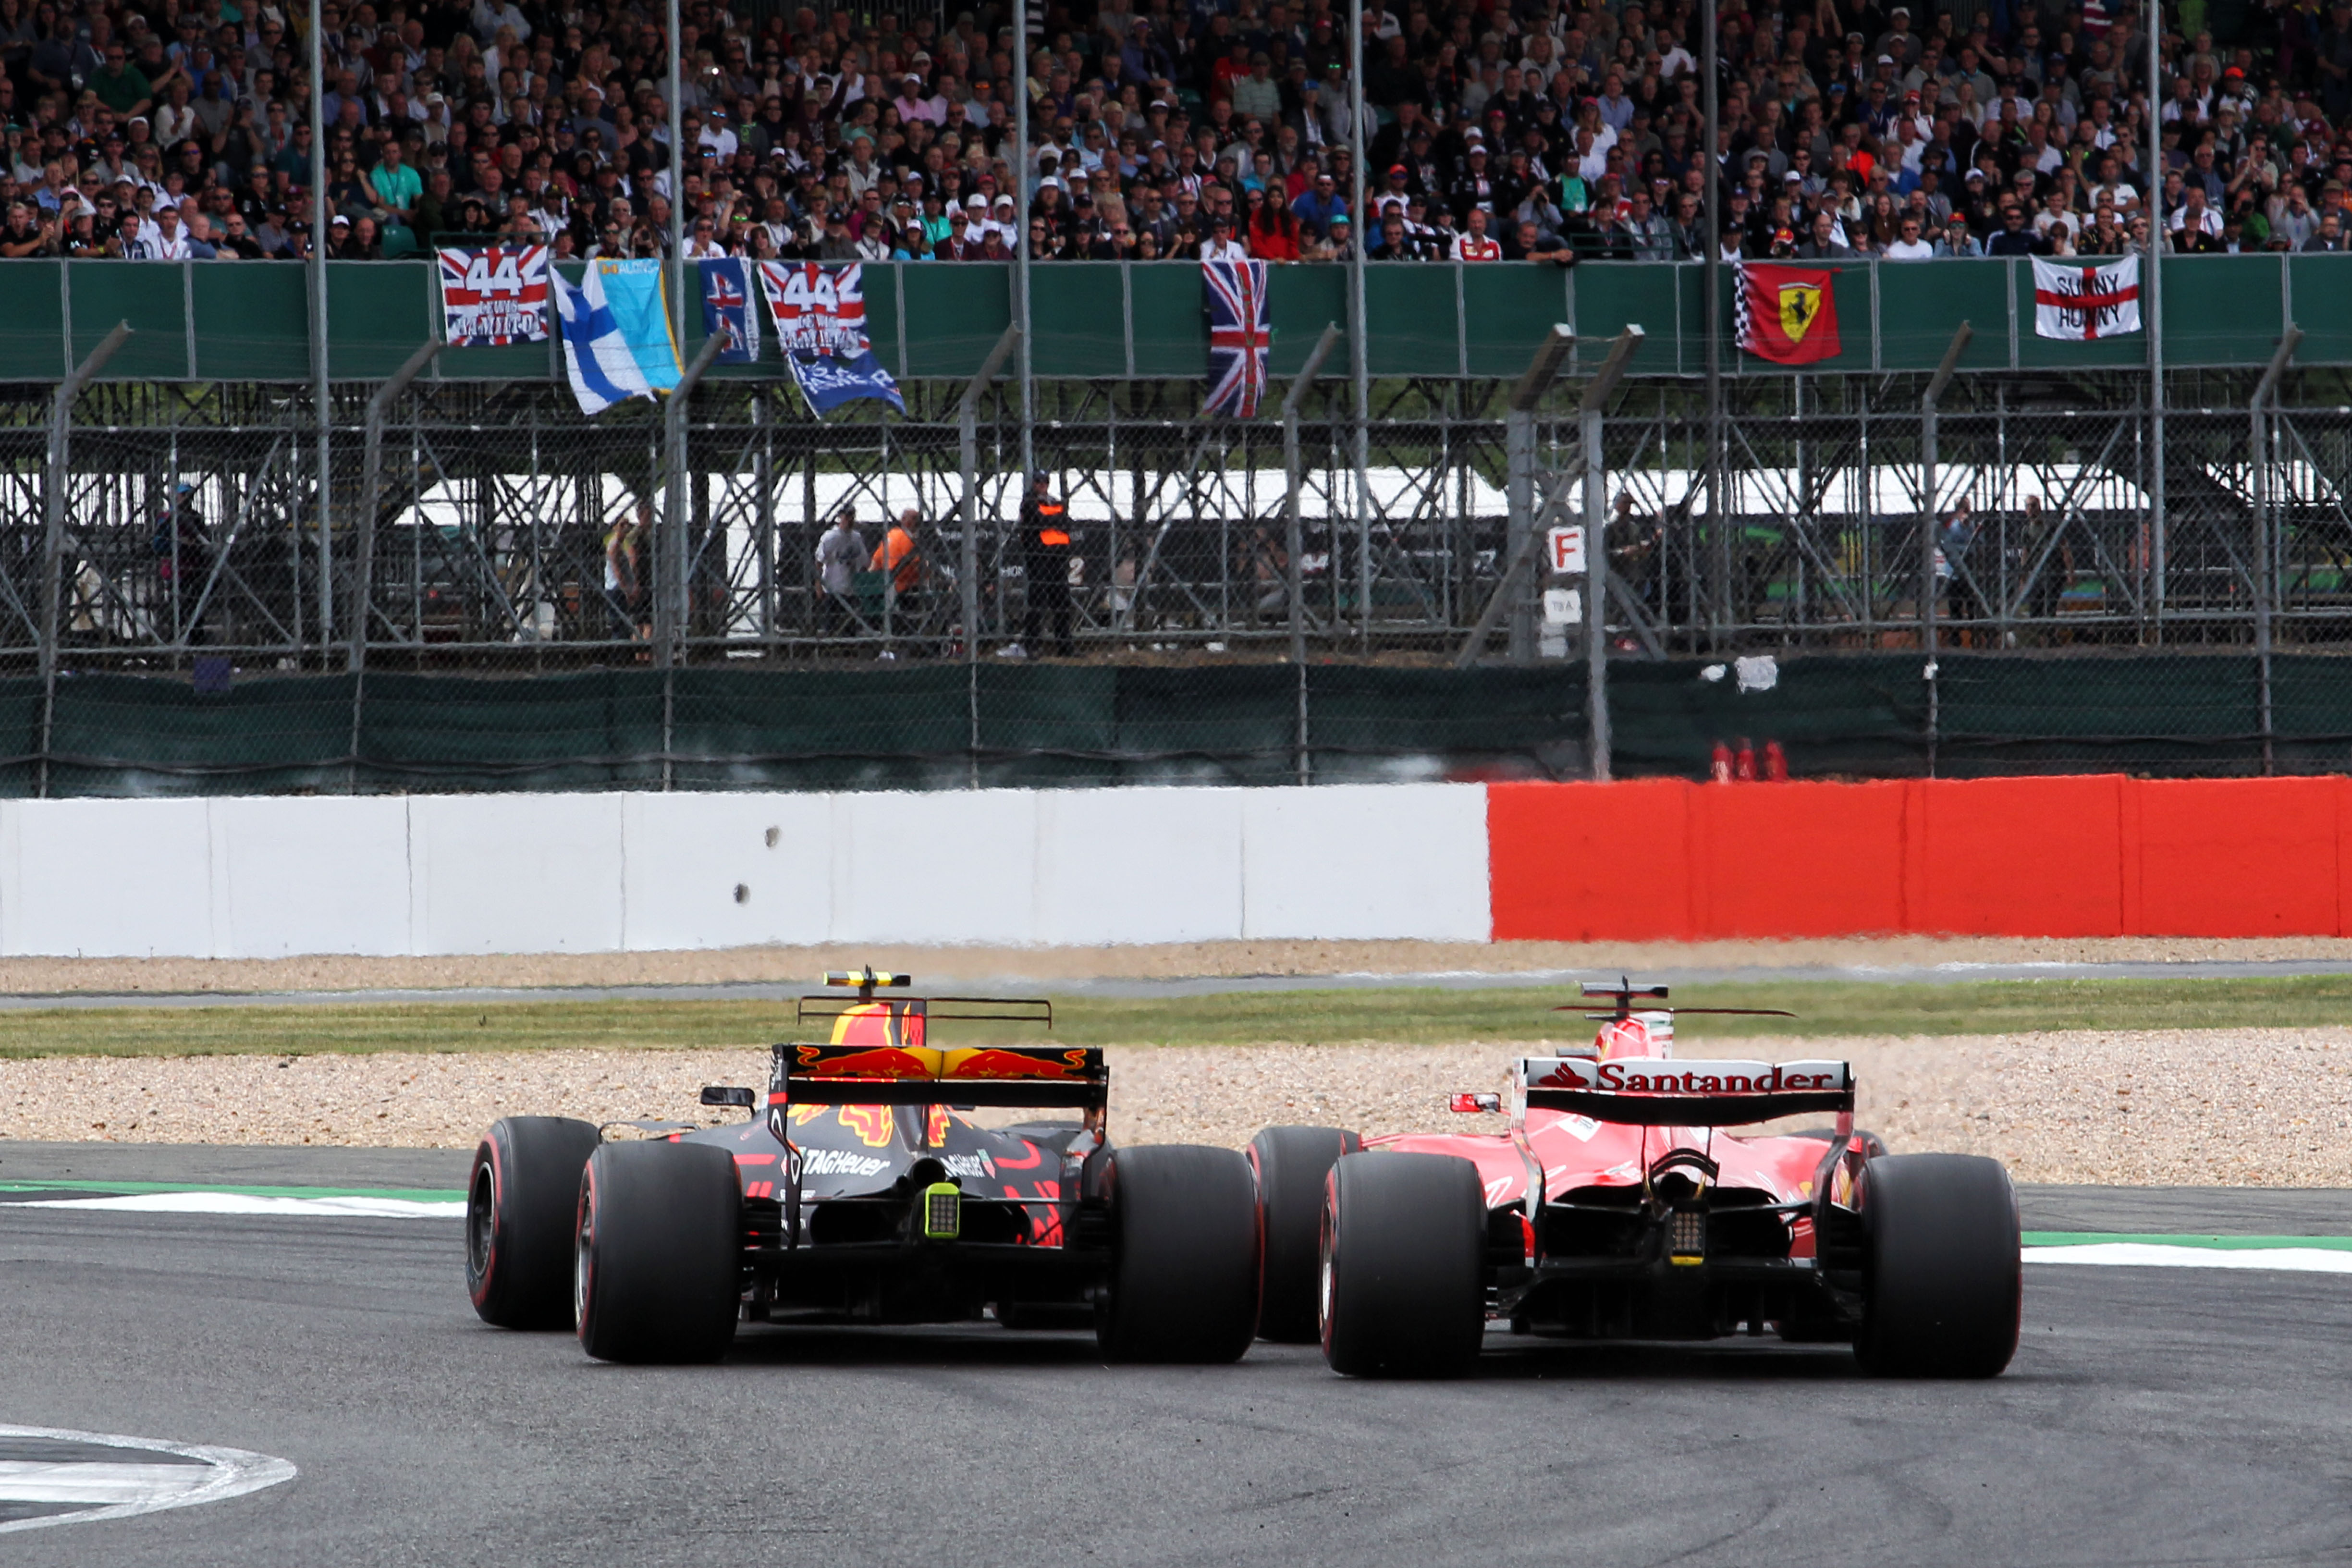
(243, 520)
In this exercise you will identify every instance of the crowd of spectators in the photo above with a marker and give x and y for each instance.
(1495, 130)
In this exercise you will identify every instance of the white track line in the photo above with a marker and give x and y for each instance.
(2148, 1255)
(253, 1204)
(119, 1490)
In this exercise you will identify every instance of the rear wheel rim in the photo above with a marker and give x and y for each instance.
(482, 1220)
(1326, 1282)
(584, 1257)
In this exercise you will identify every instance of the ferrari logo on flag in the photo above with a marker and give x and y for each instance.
(1786, 314)
(1800, 304)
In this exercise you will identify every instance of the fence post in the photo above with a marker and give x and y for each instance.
(1519, 449)
(1359, 335)
(1294, 541)
(322, 229)
(968, 556)
(764, 489)
(2152, 323)
(673, 605)
(1928, 402)
(1590, 411)
(2258, 451)
(53, 527)
(363, 570)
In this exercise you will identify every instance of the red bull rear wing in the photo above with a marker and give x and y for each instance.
(1654, 1091)
(885, 1074)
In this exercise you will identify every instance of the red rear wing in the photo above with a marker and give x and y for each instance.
(930, 1075)
(1653, 1091)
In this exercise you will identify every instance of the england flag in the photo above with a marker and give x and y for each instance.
(2086, 300)
(1241, 330)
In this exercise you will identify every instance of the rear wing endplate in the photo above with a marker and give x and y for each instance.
(1653, 1091)
(1053, 1076)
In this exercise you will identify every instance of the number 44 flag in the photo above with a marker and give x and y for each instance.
(2085, 301)
(493, 296)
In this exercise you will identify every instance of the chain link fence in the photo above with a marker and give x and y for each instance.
(2105, 593)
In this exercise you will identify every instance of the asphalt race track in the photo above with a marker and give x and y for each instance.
(2156, 1415)
(1209, 985)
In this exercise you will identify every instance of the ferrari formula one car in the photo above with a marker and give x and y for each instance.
(1616, 1208)
(863, 1189)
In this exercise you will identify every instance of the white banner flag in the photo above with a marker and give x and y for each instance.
(2086, 300)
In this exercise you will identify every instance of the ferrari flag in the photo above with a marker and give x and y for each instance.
(2085, 301)
(1786, 314)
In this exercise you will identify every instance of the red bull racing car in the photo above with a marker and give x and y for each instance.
(865, 1188)
(1617, 1206)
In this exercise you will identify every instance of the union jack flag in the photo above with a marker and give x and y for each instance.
(1241, 330)
(728, 311)
(494, 296)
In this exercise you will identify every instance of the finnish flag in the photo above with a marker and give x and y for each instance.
(616, 334)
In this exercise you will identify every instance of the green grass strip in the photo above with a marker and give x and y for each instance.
(408, 1195)
(2212, 1243)
(1400, 1015)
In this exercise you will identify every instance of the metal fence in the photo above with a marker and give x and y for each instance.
(509, 536)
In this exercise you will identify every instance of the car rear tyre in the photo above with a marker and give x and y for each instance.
(657, 1253)
(1403, 1290)
(1292, 1164)
(1183, 1284)
(519, 1207)
(1943, 1278)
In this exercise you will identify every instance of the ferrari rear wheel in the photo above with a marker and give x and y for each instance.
(518, 1213)
(1292, 1165)
(1403, 1290)
(1183, 1284)
(657, 1253)
(1943, 1275)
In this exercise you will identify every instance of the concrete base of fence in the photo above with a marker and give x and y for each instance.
(1652, 860)
(275, 877)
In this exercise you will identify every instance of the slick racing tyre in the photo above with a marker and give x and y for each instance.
(1183, 1284)
(1291, 1164)
(1943, 1281)
(657, 1253)
(1403, 1290)
(519, 1206)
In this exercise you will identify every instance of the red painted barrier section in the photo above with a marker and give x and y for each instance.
(1583, 862)
(2240, 857)
(1797, 859)
(2100, 856)
(2035, 857)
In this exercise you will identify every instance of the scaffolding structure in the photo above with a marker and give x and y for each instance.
(508, 533)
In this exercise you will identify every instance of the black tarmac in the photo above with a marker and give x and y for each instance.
(2152, 1416)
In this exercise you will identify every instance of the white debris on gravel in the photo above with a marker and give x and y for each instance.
(2252, 1107)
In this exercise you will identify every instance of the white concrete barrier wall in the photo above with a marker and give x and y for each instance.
(270, 877)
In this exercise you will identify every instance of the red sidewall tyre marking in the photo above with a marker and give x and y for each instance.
(482, 1290)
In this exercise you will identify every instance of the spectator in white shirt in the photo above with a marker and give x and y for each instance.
(1221, 246)
(1472, 244)
(489, 15)
(1908, 246)
(170, 242)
